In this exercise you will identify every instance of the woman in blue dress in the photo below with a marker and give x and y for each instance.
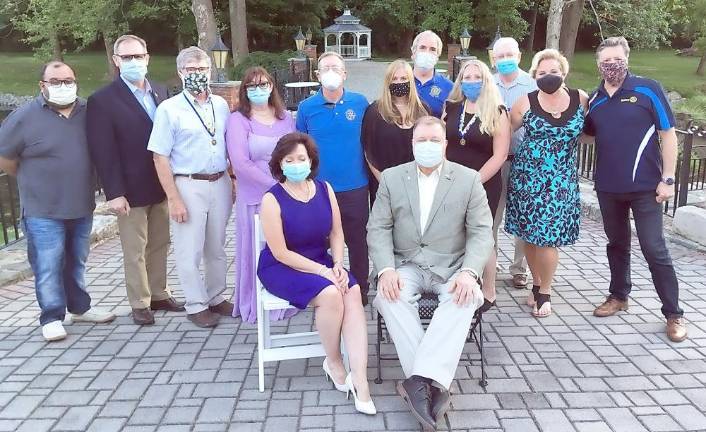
(543, 201)
(300, 220)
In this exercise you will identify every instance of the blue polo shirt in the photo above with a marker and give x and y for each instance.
(335, 128)
(626, 125)
(434, 92)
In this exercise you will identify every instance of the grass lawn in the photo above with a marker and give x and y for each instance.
(19, 72)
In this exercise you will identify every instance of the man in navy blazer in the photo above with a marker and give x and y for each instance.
(118, 126)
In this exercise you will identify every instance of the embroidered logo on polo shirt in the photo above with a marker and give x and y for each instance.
(631, 99)
(434, 91)
(350, 115)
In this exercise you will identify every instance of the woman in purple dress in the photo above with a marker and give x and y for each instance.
(301, 219)
(252, 133)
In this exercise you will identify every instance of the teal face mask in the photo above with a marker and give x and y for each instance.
(258, 96)
(507, 66)
(296, 171)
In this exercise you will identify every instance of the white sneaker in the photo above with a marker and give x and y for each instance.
(53, 331)
(94, 315)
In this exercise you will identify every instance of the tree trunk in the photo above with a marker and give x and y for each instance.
(556, 9)
(532, 27)
(56, 51)
(108, 42)
(179, 41)
(570, 27)
(238, 29)
(205, 23)
(702, 65)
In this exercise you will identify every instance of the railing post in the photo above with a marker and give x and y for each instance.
(685, 168)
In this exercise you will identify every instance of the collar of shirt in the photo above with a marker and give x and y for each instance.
(434, 80)
(80, 104)
(628, 84)
(135, 89)
(192, 99)
(523, 79)
(319, 97)
(436, 174)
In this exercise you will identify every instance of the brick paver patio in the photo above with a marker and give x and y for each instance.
(568, 372)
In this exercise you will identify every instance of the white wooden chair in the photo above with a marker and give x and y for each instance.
(271, 348)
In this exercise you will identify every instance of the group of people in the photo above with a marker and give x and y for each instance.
(418, 182)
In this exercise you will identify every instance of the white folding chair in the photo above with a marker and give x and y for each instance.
(271, 348)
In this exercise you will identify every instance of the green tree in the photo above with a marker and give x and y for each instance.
(646, 24)
(690, 16)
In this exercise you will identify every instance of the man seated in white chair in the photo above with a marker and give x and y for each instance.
(430, 231)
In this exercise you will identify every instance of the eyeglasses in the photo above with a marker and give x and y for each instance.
(338, 69)
(129, 57)
(261, 85)
(58, 82)
(203, 69)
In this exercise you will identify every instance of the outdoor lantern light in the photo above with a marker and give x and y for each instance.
(299, 39)
(308, 36)
(492, 44)
(465, 41)
(220, 55)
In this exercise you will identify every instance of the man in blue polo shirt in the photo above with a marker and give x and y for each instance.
(333, 117)
(636, 153)
(432, 88)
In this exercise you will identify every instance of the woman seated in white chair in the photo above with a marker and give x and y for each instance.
(300, 219)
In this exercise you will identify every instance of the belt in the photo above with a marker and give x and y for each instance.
(209, 177)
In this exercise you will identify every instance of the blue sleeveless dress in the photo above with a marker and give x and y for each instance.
(306, 228)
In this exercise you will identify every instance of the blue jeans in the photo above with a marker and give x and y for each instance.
(647, 213)
(57, 250)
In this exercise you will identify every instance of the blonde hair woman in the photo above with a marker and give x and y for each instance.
(543, 202)
(387, 124)
(478, 135)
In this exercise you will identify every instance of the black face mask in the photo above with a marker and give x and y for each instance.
(399, 89)
(550, 83)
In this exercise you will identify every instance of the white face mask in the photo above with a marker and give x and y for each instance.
(425, 60)
(62, 94)
(428, 153)
(331, 80)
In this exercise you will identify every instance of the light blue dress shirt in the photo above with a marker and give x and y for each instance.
(522, 85)
(179, 135)
(144, 97)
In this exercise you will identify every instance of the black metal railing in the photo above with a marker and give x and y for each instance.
(297, 72)
(690, 172)
(10, 231)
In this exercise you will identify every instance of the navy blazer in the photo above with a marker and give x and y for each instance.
(118, 129)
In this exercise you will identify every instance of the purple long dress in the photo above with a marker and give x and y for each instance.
(250, 146)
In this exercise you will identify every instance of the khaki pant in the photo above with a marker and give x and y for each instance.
(518, 261)
(436, 353)
(144, 235)
(202, 236)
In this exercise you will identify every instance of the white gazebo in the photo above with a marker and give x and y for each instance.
(348, 37)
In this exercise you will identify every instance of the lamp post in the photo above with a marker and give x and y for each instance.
(220, 55)
(465, 41)
(299, 40)
(490, 47)
(308, 35)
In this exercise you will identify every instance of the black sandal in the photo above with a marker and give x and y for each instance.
(532, 299)
(542, 299)
(485, 307)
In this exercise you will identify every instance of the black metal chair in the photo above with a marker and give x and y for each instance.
(427, 305)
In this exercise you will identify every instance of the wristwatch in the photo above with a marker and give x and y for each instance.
(669, 181)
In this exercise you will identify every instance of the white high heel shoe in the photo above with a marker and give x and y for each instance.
(327, 372)
(364, 407)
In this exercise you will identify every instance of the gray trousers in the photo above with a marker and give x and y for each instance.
(202, 237)
(518, 261)
(436, 353)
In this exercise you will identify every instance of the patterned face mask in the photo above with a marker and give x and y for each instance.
(196, 82)
(614, 73)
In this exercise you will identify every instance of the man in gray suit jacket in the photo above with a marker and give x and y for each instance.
(430, 231)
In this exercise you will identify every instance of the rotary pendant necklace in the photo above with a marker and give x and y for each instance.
(461, 129)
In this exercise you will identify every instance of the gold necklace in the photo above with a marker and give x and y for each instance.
(295, 195)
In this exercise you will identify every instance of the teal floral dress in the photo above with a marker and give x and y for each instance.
(543, 201)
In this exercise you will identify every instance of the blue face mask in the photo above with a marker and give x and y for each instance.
(428, 153)
(507, 66)
(133, 70)
(296, 171)
(471, 90)
(258, 96)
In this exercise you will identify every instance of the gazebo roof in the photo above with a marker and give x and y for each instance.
(347, 23)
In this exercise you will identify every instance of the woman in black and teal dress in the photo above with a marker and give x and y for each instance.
(478, 135)
(543, 201)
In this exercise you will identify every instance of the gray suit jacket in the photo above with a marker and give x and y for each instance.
(459, 228)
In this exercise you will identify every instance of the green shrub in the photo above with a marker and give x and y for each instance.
(694, 106)
(268, 60)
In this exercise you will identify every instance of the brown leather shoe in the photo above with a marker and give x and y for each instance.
(171, 304)
(676, 329)
(224, 308)
(143, 316)
(611, 306)
(519, 281)
(204, 319)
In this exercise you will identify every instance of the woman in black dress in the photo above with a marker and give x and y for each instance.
(478, 134)
(387, 124)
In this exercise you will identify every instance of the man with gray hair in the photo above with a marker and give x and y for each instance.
(188, 142)
(433, 88)
(513, 83)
